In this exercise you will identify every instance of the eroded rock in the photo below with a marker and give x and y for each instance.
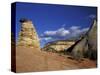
(87, 45)
(28, 36)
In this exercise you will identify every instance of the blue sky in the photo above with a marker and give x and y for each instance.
(55, 22)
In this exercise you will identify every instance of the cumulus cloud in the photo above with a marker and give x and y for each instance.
(92, 16)
(77, 30)
(84, 30)
(74, 28)
(47, 33)
(63, 33)
(45, 38)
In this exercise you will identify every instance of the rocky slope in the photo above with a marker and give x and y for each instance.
(87, 45)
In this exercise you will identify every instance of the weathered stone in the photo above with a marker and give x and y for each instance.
(28, 35)
(87, 45)
(92, 41)
(59, 45)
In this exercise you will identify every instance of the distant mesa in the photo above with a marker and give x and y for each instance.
(57, 46)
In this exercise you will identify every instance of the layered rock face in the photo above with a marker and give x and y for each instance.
(28, 36)
(87, 45)
(59, 45)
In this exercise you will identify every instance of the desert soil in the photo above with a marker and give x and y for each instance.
(34, 60)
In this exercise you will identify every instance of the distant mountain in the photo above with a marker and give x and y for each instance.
(58, 45)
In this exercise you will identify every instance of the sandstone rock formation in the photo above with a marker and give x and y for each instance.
(87, 45)
(59, 45)
(28, 36)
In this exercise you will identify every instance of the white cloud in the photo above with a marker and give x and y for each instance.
(63, 33)
(45, 38)
(84, 29)
(50, 32)
(92, 16)
(74, 28)
(78, 29)
(60, 32)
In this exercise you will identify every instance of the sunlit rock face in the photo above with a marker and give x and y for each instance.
(87, 45)
(28, 36)
(59, 45)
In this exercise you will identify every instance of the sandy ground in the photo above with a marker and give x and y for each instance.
(34, 60)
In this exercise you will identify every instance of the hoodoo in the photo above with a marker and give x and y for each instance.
(28, 36)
